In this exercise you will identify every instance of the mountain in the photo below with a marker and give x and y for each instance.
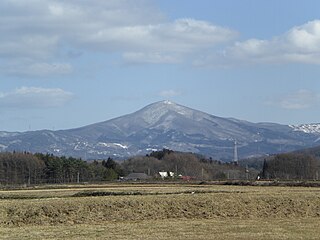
(164, 125)
(307, 128)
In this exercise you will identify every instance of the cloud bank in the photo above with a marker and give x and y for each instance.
(37, 37)
(37, 33)
(301, 44)
(301, 99)
(169, 93)
(33, 97)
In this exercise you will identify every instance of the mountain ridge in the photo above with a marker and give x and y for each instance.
(163, 124)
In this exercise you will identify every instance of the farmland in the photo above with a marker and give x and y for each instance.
(159, 211)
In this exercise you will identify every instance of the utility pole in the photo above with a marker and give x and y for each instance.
(176, 171)
(202, 171)
(78, 177)
(247, 172)
(29, 178)
(235, 153)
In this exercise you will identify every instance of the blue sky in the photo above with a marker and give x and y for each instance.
(66, 64)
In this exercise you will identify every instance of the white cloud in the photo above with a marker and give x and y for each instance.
(151, 57)
(43, 30)
(35, 69)
(34, 97)
(301, 44)
(169, 93)
(170, 42)
(301, 99)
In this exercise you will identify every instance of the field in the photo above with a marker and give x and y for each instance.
(160, 211)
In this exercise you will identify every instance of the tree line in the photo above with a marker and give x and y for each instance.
(291, 166)
(39, 168)
(27, 168)
(186, 164)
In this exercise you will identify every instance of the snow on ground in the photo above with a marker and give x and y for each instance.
(307, 128)
(112, 145)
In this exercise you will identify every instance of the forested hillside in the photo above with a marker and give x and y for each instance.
(186, 164)
(302, 164)
(315, 151)
(27, 168)
(291, 166)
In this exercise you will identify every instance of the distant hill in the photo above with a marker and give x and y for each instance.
(164, 125)
(314, 151)
(257, 162)
(189, 165)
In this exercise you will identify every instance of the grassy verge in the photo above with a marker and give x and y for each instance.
(228, 229)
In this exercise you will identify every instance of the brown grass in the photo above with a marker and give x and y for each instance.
(201, 229)
(180, 211)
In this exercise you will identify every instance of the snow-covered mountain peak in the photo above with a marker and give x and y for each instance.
(307, 128)
(166, 124)
(154, 112)
(168, 102)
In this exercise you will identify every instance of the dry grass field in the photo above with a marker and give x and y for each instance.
(160, 211)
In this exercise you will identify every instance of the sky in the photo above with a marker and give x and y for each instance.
(67, 64)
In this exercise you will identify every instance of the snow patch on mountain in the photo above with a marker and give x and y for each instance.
(120, 145)
(8, 134)
(154, 112)
(112, 145)
(307, 128)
